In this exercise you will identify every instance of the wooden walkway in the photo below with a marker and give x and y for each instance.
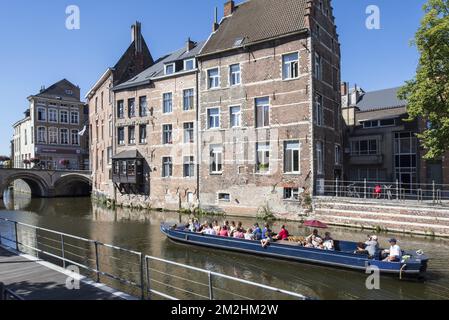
(32, 279)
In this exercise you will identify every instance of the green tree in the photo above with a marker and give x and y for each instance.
(428, 92)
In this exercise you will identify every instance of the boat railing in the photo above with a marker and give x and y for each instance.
(131, 271)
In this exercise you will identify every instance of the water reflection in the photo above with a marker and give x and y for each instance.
(138, 230)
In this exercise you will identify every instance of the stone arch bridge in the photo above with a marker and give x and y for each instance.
(48, 183)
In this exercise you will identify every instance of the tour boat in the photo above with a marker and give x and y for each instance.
(414, 263)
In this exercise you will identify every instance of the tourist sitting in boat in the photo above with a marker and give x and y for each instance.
(196, 224)
(394, 253)
(328, 242)
(224, 232)
(268, 239)
(265, 231)
(372, 246)
(283, 234)
(240, 226)
(257, 232)
(314, 240)
(209, 230)
(249, 234)
(361, 248)
(217, 227)
(232, 229)
(191, 226)
(239, 234)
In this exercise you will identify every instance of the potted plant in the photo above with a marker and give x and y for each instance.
(26, 162)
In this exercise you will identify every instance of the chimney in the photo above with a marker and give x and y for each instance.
(190, 45)
(136, 36)
(215, 25)
(229, 7)
(42, 89)
(344, 88)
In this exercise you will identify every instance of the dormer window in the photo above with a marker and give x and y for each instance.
(189, 64)
(170, 68)
(69, 92)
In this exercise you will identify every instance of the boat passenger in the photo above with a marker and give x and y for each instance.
(257, 232)
(232, 229)
(239, 234)
(196, 224)
(217, 227)
(395, 252)
(318, 243)
(240, 226)
(209, 230)
(265, 230)
(191, 226)
(249, 234)
(310, 238)
(372, 246)
(268, 239)
(361, 248)
(328, 242)
(283, 234)
(224, 232)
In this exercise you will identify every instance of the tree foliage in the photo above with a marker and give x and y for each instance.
(428, 92)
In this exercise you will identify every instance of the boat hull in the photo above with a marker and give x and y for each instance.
(414, 267)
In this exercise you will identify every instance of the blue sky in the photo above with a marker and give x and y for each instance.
(36, 49)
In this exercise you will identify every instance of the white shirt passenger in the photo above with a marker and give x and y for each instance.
(395, 251)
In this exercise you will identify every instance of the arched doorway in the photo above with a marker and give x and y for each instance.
(73, 185)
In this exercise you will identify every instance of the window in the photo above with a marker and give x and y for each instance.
(69, 92)
(53, 136)
(378, 123)
(213, 116)
(318, 110)
(262, 112)
(167, 137)
(337, 155)
(132, 135)
(109, 155)
(225, 197)
(64, 136)
(120, 109)
(41, 135)
(320, 157)
(290, 66)
(121, 136)
(291, 157)
(189, 167)
(318, 67)
(263, 157)
(187, 100)
(291, 193)
(26, 137)
(188, 133)
(52, 115)
(213, 78)
(189, 64)
(235, 76)
(167, 103)
(75, 138)
(142, 134)
(64, 116)
(236, 117)
(170, 68)
(216, 159)
(131, 108)
(364, 147)
(143, 106)
(167, 167)
(102, 100)
(41, 114)
(74, 117)
(32, 135)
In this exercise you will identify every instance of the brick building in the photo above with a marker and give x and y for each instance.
(100, 99)
(250, 116)
(53, 130)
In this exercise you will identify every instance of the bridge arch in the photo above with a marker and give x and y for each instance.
(38, 185)
(73, 185)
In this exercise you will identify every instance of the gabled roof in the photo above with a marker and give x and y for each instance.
(257, 20)
(131, 154)
(381, 99)
(59, 90)
(158, 69)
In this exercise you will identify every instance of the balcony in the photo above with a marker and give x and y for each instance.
(128, 168)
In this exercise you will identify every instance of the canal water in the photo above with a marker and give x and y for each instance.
(138, 230)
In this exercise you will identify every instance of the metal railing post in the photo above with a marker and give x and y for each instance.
(364, 188)
(336, 188)
(17, 236)
(97, 262)
(148, 288)
(211, 288)
(397, 190)
(62, 251)
(433, 192)
(142, 277)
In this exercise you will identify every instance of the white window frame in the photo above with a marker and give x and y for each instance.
(266, 147)
(66, 112)
(239, 116)
(191, 164)
(170, 162)
(163, 102)
(319, 149)
(185, 64)
(232, 73)
(208, 118)
(220, 197)
(217, 77)
(143, 141)
(193, 99)
(39, 140)
(163, 134)
(133, 140)
(263, 105)
(75, 133)
(121, 142)
(44, 114)
(319, 110)
(216, 149)
(170, 65)
(190, 129)
(61, 140)
(55, 131)
(294, 194)
(77, 117)
(338, 155)
(55, 112)
(292, 162)
(318, 66)
(289, 77)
